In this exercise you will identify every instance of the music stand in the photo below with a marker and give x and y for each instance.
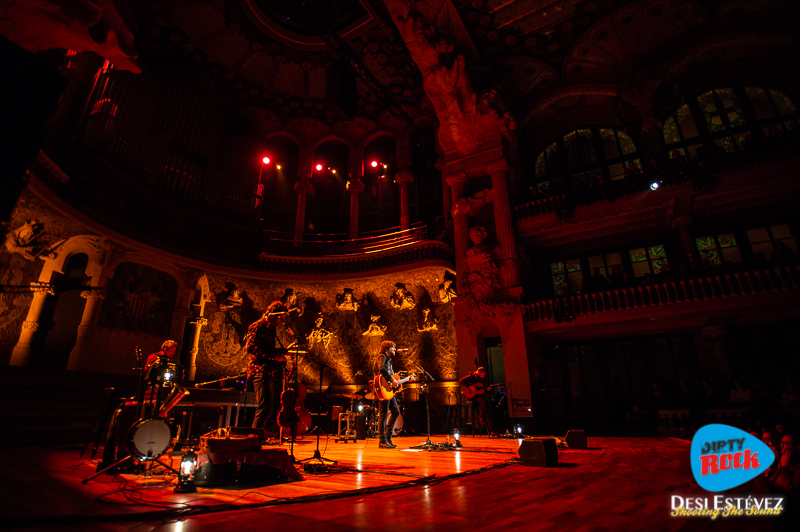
(427, 444)
(322, 463)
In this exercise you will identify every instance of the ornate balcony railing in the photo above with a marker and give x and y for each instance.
(339, 244)
(703, 287)
(359, 262)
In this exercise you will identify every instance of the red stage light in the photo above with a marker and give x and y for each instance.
(265, 160)
(319, 167)
(374, 164)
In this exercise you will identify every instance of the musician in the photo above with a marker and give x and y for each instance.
(388, 349)
(266, 362)
(163, 361)
(477, 382)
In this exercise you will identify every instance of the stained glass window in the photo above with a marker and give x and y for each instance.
(580, 148)
(646, 260)
(782, 102)
(567, 277)
(764, 239)
(720, 109)
(718, 249)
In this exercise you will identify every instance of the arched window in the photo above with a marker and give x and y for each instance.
(571, 161)
(728, 117)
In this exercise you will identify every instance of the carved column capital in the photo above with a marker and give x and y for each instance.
(459, 178)
(439, 164)
(200, 321)
(93, 294)
(355, 186)
(404, 177)
(30, 325)
(497, 167)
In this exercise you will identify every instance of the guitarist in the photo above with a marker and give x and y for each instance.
(388, 349)
(476, 383)
(266, 362)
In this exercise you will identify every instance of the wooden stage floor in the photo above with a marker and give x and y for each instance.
(616, 484)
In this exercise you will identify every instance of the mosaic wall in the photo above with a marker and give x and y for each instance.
(341, 324)
(139, 298)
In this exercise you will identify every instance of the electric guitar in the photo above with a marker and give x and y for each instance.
(384, 390)
(476, 389)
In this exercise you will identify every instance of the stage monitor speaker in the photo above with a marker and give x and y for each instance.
(576, 439)
(361, 427)
(231, 473)
(539, 452)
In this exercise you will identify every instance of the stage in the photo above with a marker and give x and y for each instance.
(615, 484)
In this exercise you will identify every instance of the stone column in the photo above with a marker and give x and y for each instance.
(683, 225)
(356, 188)
(403, 179)
(90, 312)
(447, 202)
(191, 368)
(21, 354)
(504, 224)
(716, 334)
(303, 187)
(458, 183)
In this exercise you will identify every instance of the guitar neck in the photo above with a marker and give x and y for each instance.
(405, 380)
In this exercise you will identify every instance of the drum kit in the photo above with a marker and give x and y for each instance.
(371, 410)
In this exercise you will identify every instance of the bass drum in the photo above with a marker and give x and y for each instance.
(149, 438)
(398, 425)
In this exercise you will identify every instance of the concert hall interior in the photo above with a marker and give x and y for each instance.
(593, 200)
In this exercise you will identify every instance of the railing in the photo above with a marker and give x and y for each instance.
(699, 172)
(339, 245)
(713, 285)
(430, 250)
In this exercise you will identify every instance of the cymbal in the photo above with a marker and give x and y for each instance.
(370, 396)
(353, 396)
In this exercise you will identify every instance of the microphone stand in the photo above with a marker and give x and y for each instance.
(322, 463)
(427, 445)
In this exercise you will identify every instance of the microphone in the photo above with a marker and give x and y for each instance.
(402, 350)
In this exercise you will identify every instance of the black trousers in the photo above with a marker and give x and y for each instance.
(484, 411)
(268, 399)
(394, 412)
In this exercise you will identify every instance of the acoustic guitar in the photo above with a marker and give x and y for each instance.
(384, 390)
(476, 389)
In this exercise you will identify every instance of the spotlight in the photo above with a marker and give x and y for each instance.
(374, 164)
(265, 160)
(456, 438)
(318, 167)
(519, 429)
(386, 166)
(167, 375)
(278, 166)
(360, 408)
(654, 185)
(333, 171)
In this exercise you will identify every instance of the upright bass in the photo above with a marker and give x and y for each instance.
(293, 409)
